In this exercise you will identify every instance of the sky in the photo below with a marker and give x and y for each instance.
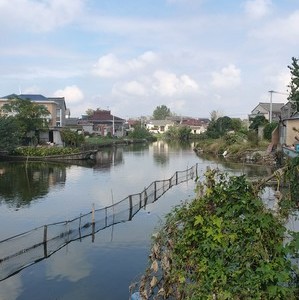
(194, 56)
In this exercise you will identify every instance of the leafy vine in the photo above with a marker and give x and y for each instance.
(225, 244)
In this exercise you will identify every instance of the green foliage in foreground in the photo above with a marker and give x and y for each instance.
(223, 245)
(44, 151)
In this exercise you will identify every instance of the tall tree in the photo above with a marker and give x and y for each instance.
(9, 133)
(294, 84)
(161, 112)
(30, 117)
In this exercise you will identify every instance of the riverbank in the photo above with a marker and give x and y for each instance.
(238, 152)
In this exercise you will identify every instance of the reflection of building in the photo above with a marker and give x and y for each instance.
(160, 152)
(108, 158)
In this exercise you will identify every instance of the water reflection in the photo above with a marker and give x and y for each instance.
(21, 183)
(160, 153)
(109, 157)
(24, 182)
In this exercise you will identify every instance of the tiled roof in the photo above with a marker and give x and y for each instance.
(33, 97)
(103, 115)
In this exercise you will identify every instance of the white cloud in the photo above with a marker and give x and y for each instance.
(169, 84)
(44, 15)
(72, 94)
(131, 88)
(228, 77)
(285, 29)
(258, 8)
(109, 66)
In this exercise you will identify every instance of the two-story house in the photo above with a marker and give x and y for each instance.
(56, 120)
(265, 109)
(104, 123)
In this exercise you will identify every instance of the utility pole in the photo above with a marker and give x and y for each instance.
(270, 117)
(271, 92)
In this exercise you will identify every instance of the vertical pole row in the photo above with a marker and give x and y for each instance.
(45, 240)
(131, 208)
(93, 223)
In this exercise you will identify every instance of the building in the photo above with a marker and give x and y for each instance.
(158, 126)
(197, 126)
(104, 123)
(56, 106)
(264, 109)
(56, 119)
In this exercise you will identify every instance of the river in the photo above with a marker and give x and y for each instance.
(102, 266)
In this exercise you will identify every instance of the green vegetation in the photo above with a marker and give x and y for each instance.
(161, 112)
(44, 151)
(178, 133)
(72, 138)
(140, 132)
(29, 118)
(9, 133)
(223, 245)
(294, 84)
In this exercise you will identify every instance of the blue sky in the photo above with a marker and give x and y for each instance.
(194, 56)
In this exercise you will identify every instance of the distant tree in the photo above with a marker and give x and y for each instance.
(179, 133)
(257, 121)
(140, 132)
(9, 133)
(214, 115)
(30, 117)
(161, 112)
(219, 127)
(294, 84)
(89, 111)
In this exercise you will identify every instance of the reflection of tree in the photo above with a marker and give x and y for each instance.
(161, 158)
(20, 183)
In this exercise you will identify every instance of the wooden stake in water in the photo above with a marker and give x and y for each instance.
(93, 222)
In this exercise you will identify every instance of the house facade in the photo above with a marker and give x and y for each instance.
(56, 119)
(289, 131)
(158, 126)
(55, 106)
(197, 126)
(104, 123)
(264, 109)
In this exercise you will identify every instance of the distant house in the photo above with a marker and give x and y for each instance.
(104, 123)
(264, 109)
(197, 126)
(158, 126)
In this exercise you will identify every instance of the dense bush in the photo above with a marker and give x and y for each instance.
(268, 129)
(223, 245)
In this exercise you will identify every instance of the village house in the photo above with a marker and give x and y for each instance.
(56, 119)
(104, 123)
(158, 126)
(264, 109)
